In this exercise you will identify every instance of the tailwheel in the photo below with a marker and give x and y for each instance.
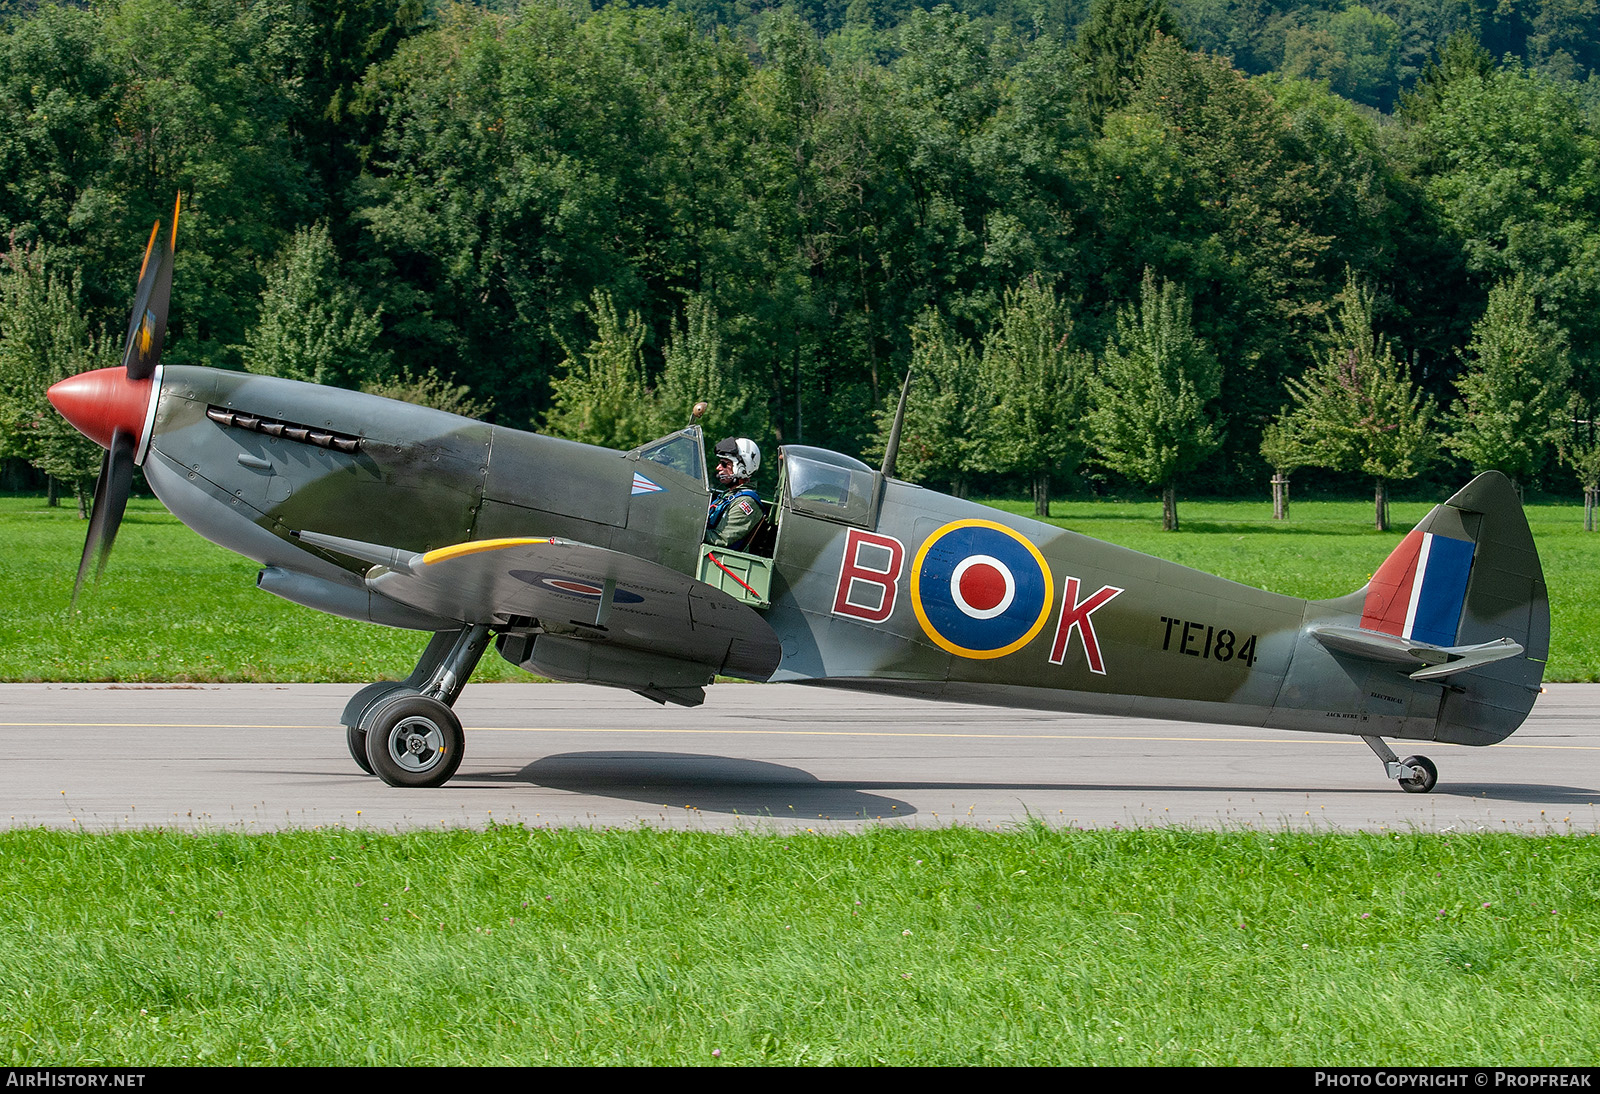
(1423, 775)
(413, 740)
(1415, 774)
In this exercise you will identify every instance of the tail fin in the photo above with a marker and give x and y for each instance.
(1466, 580)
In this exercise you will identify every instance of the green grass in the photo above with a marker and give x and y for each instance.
(173, 607)
(947, 946)
(952, 946)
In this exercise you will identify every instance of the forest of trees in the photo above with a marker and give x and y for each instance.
(1124, 242)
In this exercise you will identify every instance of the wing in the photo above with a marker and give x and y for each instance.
(577, 593)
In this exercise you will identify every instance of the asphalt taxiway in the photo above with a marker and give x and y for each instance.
(759, 757)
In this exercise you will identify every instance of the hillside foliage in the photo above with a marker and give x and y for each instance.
(787, 206)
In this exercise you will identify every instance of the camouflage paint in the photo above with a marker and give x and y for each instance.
(877, 583)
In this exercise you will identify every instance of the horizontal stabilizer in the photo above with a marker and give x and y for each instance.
(1471, 657)
(1374, 646)
(1435, 662)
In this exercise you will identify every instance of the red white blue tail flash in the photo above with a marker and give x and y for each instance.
(1418, 591)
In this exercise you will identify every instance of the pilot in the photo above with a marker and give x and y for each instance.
(736, 511)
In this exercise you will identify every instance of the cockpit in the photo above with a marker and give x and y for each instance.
(825, 484)
(813, 483)
(683, 451)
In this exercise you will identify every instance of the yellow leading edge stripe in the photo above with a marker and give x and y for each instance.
(148, 247)
(472, 547)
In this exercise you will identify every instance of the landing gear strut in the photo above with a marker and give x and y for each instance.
(1415, 774)
(404, 731)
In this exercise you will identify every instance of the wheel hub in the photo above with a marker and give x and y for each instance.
(413, 740)
(416, 744)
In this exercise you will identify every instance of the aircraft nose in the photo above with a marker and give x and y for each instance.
(101, 402)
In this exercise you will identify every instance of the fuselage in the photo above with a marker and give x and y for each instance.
(1089, 627)
(876, 583)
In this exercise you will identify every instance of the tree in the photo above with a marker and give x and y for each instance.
(1562, 38)
(1111, 43)
(201, 105)
(696, 370)
(1357, 409)
(44, 338)
(1370, 42)
(599, 396)
(56, 108)
(1150, 419)
(1015, 406)
(1579, 448)
(1462, 58)
(1209, 178)
(1512, 392)
(1040, 390)
(1357, 51)
(1285, 457)
(311, 327)
(428, 388)
(1511, 161)
(337, 42)
(528, 159)
(949, 409)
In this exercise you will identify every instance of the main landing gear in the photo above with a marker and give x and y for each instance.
(403, 731)
(1415, 774)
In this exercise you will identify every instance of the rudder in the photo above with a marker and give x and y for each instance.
(1469, 573)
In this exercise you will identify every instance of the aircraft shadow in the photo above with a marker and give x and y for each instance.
(1534, 793)
(715, 784)
(734, 785)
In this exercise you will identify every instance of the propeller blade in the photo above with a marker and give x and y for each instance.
(147, 326)
(141, 295)
(111, 493)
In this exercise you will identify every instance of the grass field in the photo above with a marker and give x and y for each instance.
(944, 946)
(951, 946)
(173, 607)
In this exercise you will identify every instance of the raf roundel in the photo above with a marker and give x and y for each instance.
(980, 589)
(575, 586)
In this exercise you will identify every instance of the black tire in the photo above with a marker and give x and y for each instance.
(361, 705)
(358, 712)
(1419, 784)
(413, 740)
(356, 738)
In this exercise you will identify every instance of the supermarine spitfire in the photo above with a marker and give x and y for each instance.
(586, 564)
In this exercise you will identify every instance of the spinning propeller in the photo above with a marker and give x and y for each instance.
(114, 407)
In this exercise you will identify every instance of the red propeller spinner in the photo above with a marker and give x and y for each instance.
(104, 401)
